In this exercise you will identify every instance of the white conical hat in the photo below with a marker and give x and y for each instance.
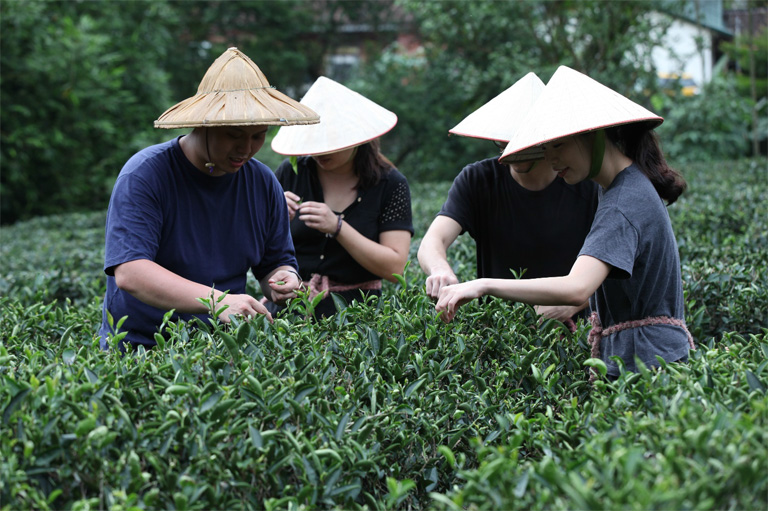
(234, 92)
(501, 116)
(347, 119)
(570, 104)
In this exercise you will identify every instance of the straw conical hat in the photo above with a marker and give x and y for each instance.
(574, 103)
(347, 119)
(501, 116)
(234, 92)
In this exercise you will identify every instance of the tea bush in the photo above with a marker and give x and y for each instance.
(383, 406)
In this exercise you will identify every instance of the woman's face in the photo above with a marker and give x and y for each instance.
(570, 157)
(339, 161)
(230, 147)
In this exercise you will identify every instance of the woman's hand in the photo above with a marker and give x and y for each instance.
(294, 203)
(453, 297)
(283, 284)
(317, 215)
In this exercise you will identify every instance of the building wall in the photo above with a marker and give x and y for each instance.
(687, 50)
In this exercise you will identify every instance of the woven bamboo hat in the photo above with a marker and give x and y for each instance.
(570, 104)
(501, 116)
(348, 119)
(234, 92)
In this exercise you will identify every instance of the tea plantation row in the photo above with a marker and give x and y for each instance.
(384, 406)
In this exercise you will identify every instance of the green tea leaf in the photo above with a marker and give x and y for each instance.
(754, 382)
(14, 404)
(597, 364)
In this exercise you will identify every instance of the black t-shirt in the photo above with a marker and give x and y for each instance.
(383, 207)
(515, 228)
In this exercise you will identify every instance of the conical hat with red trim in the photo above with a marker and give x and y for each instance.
(573, 103)
(347, 119)
(501, 116)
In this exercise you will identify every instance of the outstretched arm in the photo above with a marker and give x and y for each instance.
(433, 254)
(156, 286)
(574, 289)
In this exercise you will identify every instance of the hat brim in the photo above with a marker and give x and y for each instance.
(323, 148)
(518, 155)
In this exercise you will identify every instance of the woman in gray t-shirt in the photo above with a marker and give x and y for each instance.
(629, 265)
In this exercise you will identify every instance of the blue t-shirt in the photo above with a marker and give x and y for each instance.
(210, 230)
(633, 234)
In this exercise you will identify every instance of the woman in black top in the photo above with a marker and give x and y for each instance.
(350, 209)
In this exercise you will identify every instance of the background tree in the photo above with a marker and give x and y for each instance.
(80, 85)
(472, 51)
(749, 54)
(82, 82)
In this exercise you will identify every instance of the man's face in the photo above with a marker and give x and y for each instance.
(232, 146)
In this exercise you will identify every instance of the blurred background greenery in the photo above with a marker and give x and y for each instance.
(82, 81)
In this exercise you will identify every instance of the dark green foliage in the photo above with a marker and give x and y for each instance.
(81, 86)
(711, 126)
(83, 81)
(741, 51)
(720, 225)
(383, 406)
(315, 414)
(691, 437)
(53, 259)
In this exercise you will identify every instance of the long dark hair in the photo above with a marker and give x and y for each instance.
(639, 143)
(370, 164)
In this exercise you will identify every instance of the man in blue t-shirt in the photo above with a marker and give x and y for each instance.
(190, 217)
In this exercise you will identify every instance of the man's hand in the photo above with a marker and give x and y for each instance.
(242, 305)
(438, 280)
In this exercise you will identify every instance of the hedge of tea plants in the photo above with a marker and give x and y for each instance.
(383, 406)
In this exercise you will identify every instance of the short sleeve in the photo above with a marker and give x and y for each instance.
(457, 205)
(134, 223)
(396, 213)
(278, 245)
(614, 240)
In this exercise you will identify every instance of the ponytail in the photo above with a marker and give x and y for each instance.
(641, 145)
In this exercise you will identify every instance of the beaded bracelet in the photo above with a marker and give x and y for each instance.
(338, 229)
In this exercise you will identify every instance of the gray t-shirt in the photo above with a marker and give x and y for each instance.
(632, 233)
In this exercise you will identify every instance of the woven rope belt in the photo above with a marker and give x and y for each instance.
(598, 332)
(322, 284)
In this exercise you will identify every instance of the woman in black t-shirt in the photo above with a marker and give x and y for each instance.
(350, 208)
